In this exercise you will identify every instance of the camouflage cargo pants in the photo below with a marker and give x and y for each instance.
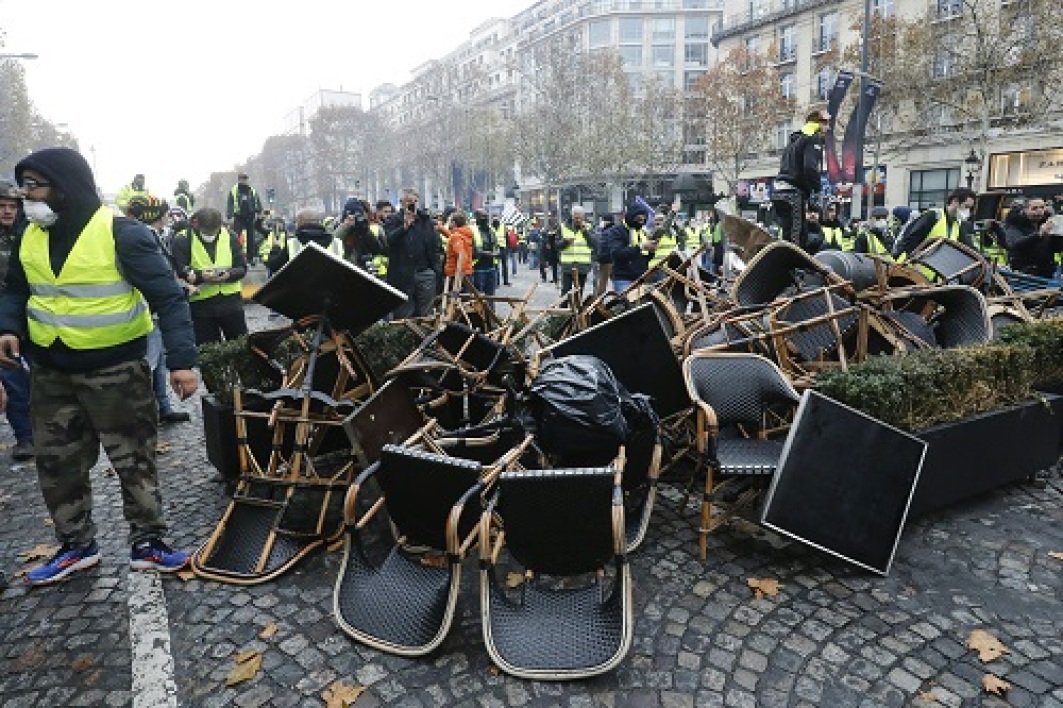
(73, 414)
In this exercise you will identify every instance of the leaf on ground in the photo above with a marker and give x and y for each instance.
(341, 694)
(268, 631)
(927, 697)
(988, 647)
(48, 521)
(83, 663)
(38, 552)
(494, 670)
(108, 471)
(433, 561)
(992, 683)
(763, 586)
(248, 664)
(1058, 555)
(28, 660)
(186, 575)
(162, 447)
(514, 580)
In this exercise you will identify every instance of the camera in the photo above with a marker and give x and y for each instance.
(412, 207)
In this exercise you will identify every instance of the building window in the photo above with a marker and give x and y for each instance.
(631, 30)
(663, 56)
(662, 29)
(786, 85)
(782, 134)
(930, 188)
(753, 45)
(827, 32)
(695, 4)
(601, 33)
(690, 78)
(696, 27)
(634, 79)
(823, 83)
(787, 43)
(696, 54)
(631, 56)
(947, 8)
(942, 66)
(884, 8)
(665, 79)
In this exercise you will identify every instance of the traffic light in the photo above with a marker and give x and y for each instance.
(270, 193)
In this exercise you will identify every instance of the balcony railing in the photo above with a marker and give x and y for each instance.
(787, 54)
(765, 13)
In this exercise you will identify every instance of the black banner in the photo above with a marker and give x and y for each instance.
(853, 144)
(834, 103)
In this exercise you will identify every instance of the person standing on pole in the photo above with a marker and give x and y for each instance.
(798, 177)
(242, 208)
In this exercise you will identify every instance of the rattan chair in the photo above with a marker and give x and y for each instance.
(733, 394)
(567, 619)
(405, 603)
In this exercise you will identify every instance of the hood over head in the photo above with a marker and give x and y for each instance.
(72, 178)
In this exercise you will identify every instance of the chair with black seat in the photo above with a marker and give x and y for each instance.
(567, 619)
(405, 604)
(733, 394)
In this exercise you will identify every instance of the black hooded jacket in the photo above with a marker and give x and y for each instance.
(278, 257)
(1029, 251)
(139, 260)
(628, 259)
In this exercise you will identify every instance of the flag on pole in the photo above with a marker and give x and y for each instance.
(512, 216)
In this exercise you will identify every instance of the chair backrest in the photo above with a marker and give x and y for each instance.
(469, 346)
(558, 521)
(738, 387)
(419, 490)
(389, 417)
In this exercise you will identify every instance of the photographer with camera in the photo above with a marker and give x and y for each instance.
(414, 265)
(1030, 240)
(357, 235)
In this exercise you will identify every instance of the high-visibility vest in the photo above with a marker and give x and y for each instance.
(89, 305)
(272, 239)
(236, 200)
(522, 237)
(833, 237)
(941, 227)
(380, 261)
(295, 246)
(875, 246)
(500, 236)
(185, 201)
(665, 245)
(579, 251)
(125, 194)
(690, 236)
(478, 242)
(223, 260)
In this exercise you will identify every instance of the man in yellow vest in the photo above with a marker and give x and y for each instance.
(834, 238)
(79, 295)
(939, 223)
(308, 228)
(873, 237)
(242, 208)
(209, 257)
(577, 247)
(135, 189)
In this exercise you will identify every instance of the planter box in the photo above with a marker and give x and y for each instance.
(219, 436)
(981, 453)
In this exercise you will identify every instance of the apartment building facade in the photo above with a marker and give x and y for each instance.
(805, 39)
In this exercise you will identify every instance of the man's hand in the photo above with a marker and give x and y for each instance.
(184, 382)
(9, 351)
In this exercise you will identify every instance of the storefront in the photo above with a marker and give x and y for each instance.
(1038, 173)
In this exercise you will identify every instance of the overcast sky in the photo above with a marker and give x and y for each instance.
(180, 89)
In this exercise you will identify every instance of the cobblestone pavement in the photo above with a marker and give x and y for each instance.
(834, 636)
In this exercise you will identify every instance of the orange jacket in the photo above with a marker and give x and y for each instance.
(459, 240)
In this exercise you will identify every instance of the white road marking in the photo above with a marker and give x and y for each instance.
(149, 639)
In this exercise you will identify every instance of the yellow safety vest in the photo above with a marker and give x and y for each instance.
(941, 228)
(875, 246)
(295, 246)
(223, 260)
(89, 305)
(832, 236)
(579, 251)
(271, 240)
(665, 245)
(380, 261)
(236, 201)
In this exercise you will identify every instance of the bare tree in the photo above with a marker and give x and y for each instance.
(735, 104)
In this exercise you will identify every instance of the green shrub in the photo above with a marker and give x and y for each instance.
(1045, 338)
(385, 345)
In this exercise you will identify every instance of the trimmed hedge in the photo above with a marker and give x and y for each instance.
(922, 389)
(227, 365)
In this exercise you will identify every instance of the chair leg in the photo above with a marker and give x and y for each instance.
(706, 513)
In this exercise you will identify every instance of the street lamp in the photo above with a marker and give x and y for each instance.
(974, 165)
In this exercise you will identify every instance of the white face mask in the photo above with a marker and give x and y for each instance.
(208, 238)
(963, 214)
(880, 224)
(39, 213)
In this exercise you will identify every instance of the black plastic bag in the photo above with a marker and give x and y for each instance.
(580, 408)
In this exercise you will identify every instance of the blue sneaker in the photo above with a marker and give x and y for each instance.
(153, 554)
(68, 559)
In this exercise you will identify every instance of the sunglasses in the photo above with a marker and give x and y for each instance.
(29, 183)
